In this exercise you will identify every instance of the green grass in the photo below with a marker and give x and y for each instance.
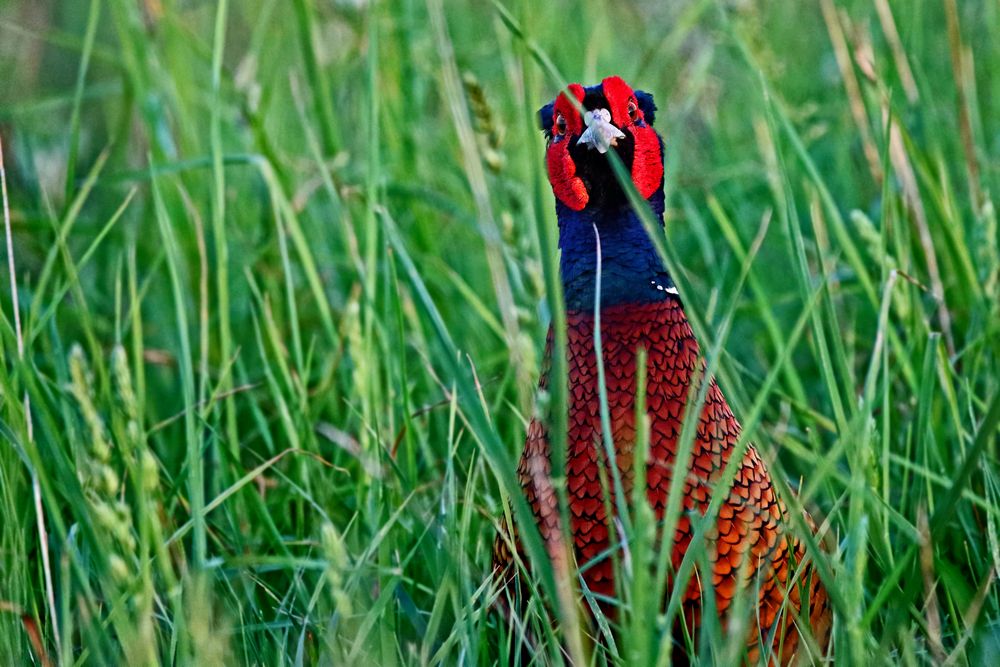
(284, 272)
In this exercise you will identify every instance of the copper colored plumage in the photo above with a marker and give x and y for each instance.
(640, 309)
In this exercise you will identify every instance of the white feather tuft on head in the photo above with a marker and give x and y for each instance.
(600, 133)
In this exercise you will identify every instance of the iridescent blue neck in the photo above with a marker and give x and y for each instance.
(631, 270)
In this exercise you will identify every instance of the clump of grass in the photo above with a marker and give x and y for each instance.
(284, 275)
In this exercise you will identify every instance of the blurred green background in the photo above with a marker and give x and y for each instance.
(274, 257)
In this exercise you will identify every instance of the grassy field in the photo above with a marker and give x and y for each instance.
(282, 272)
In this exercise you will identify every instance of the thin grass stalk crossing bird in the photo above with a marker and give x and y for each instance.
(605, 246)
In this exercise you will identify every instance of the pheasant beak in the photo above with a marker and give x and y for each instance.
(601, 132)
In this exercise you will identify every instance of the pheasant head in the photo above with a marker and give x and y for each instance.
(610, 116)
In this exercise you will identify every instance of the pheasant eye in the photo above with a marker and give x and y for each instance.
(633, 111)
(560, 124)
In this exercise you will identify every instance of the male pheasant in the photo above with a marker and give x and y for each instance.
(640, 308)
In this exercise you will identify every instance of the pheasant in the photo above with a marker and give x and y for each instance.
(599, 231)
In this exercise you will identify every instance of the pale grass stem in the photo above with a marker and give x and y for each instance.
(36, 490)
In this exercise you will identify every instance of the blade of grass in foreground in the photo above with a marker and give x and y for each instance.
(221, 263)
(192, 443)
(93, 17)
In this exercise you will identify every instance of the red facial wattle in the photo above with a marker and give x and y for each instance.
(566, 185)
(647, 161)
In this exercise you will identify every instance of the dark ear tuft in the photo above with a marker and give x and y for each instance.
(545, 118)
(647, 105)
